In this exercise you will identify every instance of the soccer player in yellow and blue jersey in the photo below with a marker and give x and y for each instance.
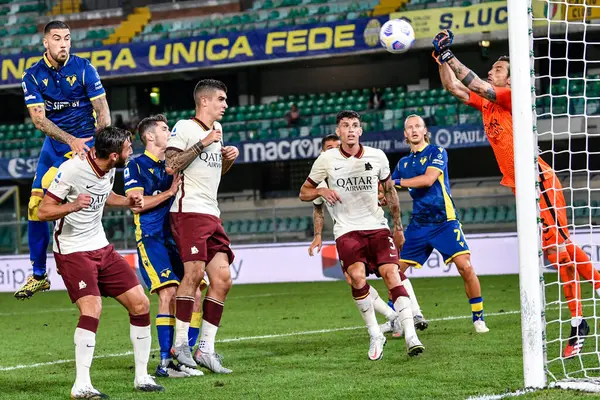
(62, 92)
(159, 260)
(434, 223)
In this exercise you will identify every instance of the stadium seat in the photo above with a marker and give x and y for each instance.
(511, 215)
(501, 214)
(490, 214)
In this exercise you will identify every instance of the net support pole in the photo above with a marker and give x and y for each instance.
(519, 36)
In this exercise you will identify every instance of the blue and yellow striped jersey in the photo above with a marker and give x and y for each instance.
(434, 204)
(146, 172)
(66, 94)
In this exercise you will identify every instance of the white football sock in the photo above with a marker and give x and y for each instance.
(181, 332)
(85, 343)
(142, 342)
(367, 311)
(381, 306)
(575, 321)
(416, 309)
(208, 332)
(402, 306)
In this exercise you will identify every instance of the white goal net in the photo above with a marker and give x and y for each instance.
(565, 81)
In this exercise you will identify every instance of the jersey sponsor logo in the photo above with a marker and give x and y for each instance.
(131, 182)
(45, 81)
(212, 160)
(30, 97)
(71, 79)
(438, 162)
(98, 85)
(98, 202)
(440, 156)
(355, 183)
(60, 105)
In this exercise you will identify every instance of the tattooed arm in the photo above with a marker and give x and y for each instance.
(102, 112)
(471, 80)
(318, 222)
(177, 160)
(391, 197)
(452, 84)
(38, 115)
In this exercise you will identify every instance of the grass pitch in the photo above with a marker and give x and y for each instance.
(293, 341)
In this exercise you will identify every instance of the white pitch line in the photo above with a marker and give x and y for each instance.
(517, 393)
(245, 338)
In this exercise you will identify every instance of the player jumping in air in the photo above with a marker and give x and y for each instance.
(88, 264)
(362, 236)
(159, 260)
(393, 322)
(62, 92)
(434, 223)
(196, 152)
(493, 98)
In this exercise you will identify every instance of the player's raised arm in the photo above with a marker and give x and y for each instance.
(443, 55)
(453, 85)
(178, 156)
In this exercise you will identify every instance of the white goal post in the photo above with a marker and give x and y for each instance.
(556, 101)
(521, 64)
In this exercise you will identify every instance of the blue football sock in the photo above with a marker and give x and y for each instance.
(477, 308)
(165, 327)
(39, 237)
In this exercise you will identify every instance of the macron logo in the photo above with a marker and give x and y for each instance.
(82, 285)
(194, 250)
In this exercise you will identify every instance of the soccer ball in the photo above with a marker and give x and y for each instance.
(397, 36)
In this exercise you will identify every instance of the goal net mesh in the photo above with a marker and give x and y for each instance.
(566, 84)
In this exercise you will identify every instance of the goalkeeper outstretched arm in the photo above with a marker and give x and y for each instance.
(456, 77)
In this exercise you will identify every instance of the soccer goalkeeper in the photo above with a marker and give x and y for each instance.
(493, 99)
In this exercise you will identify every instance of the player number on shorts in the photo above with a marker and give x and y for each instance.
(392, 245)
(457, 231)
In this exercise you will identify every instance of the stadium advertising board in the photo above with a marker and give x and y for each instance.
(301, 148)
(309, 40)
(491, 254)
(390, 142)
(486, 17)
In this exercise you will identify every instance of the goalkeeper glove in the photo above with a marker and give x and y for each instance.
(443, 41)
(441, 45)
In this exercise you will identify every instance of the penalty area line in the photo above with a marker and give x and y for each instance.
(246, 338)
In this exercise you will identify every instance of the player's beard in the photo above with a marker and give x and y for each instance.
(60, 57)
(120, 163)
